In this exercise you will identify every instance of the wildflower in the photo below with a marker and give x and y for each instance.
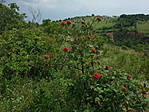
(76, 37)
(124, 87)
(96, 75)
(63, 23)
(94, 51)
(107, 67)
(68, 22)
(144, 92)
(46, 56)
(98, 18)
(66, 49)
(89, 37)
(129, 76)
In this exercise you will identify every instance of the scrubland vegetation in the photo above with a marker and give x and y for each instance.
(82, 64)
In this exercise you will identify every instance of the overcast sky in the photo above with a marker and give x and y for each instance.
(62, 9)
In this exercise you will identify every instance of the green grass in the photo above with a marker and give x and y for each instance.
(21, 94)
(143, 27)
(129, 60)
(106, 21)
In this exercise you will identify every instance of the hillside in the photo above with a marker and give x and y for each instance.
(73, 65)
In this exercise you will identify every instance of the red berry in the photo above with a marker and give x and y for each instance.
(47, 56)
(98, 18)
(96, 75)
(94, 51)
(66, 49)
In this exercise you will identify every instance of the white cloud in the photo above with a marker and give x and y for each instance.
(56, 9)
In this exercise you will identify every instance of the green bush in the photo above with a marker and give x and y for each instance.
(68, 73)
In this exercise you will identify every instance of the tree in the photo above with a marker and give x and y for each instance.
(9, 17)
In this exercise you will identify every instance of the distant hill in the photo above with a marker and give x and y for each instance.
(133, 22)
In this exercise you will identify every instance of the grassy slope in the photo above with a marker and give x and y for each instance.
(129, 60)
(143, 27)
(108, 22)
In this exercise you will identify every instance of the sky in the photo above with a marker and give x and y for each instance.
(62, 9)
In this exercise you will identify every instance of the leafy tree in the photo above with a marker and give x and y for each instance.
(10, 17)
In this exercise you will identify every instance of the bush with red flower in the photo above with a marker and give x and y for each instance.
(91, 81)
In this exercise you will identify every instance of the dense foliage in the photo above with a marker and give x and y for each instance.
(10, 18)
(57, 67)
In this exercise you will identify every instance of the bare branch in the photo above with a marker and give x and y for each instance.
(36, 14)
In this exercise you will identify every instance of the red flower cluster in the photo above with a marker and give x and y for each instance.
(63, 23)
(144, 92)
(98, 18)
(76, 37)
(46, 56)
(129, 76)
(68, 22)
(96, 75)
(107, 67)
(66, 49)
(124, 87)
(89, 37)
(94, 51)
